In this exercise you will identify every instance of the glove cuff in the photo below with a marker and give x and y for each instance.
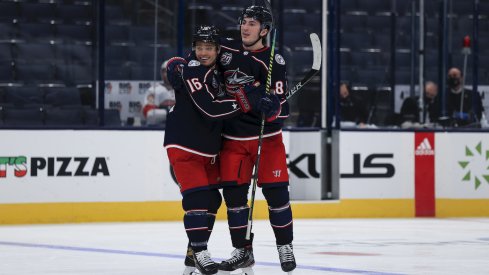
(175, 59)
(275, 116)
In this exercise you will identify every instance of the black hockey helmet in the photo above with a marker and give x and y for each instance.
(259, 13)
(206, 33)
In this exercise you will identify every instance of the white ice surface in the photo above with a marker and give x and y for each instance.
(327, 246)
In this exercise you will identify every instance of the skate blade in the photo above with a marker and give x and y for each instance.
(190, 270)
(247, 271)
(240, 271)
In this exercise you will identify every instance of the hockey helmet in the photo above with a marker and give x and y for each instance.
(206, 33)
(259, 13)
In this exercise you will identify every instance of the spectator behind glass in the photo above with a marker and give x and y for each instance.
(462, 107)
(353, 112)
(158, 99)
(410, 108)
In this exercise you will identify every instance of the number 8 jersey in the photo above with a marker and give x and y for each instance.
(241, 67)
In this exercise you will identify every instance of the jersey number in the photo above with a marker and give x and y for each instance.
(194, 84)
(279, 87)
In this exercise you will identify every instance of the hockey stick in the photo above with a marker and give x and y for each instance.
(316, 65)
(260, 141)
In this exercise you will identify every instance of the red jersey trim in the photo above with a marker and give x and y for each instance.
(252, 137)
(260, 50)
(189, 150)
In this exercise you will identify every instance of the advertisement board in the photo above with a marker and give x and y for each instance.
(304, 158)
(376, 165)
(84, 166)
(424, 173)
(127, 97)
(86, 175)
(462, 166)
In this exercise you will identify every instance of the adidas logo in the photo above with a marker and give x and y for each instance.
(424, 148)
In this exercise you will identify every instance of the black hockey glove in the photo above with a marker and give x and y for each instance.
(249, 96)
(270, 106)
(174, 72)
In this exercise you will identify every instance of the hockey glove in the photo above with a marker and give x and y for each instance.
(248, 97)
(270, 106)
(174, 72)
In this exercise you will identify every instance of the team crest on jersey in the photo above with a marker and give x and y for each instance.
(193, 63)
(280, 60)
(226, 58)
(236, 79)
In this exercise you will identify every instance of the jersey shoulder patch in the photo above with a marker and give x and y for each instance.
(193, 63)
(226, 58)
(279, 59)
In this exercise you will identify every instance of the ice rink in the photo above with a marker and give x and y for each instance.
(328, 246)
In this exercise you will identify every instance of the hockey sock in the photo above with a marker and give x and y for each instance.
(280, 214)
(195, 219)
(238, 221)
(236, 198)
(215, 203)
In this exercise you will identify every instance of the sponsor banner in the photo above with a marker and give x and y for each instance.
(84, 166)
(110, 166)
(127, 96)
(376, 165)
(424, 178)
(462, 166)
(304, 158)
(118, 166)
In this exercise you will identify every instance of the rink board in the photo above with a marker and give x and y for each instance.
(98, 176)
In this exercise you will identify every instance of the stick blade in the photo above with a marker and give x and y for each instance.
(316, 49)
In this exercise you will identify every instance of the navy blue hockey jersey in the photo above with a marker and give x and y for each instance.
(244, 67)
(194, 124)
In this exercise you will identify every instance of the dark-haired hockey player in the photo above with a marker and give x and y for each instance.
(244, 62)
(193, 138)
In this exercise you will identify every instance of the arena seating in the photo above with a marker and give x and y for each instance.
(52, 44)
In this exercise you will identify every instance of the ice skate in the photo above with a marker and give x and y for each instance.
(286, 256)
(242, 258)
(190, 268)
(204, 263)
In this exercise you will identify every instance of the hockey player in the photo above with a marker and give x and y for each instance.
(193, 138)
(243, 62)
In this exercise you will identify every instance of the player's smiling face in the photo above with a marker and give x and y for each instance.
(251, 33)
(206, 53)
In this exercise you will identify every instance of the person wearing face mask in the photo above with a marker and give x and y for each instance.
(410, 111)
(463, 105)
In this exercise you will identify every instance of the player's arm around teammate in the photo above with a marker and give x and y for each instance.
(193, 140)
